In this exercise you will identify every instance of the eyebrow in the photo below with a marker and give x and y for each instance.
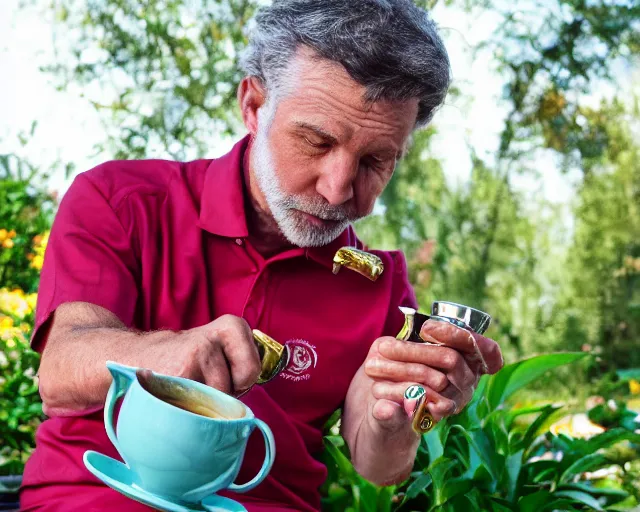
(317, 130)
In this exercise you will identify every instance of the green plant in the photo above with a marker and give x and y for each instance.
(486, 459)
(20, 405)
(26, 211)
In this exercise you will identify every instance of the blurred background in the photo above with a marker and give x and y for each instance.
(522, 199)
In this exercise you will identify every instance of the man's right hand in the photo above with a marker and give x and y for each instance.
(223, 355)
(82, 337)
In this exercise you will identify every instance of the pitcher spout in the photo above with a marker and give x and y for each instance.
(121, 372)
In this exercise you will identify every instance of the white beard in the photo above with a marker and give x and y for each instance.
(284, 208)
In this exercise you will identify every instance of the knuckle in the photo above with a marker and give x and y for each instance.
(451, 359)
(450, 407)
(469, 379)
(439, 381)
(420, 373)
(379, 390)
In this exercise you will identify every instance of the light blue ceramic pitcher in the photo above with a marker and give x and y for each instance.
(174, 453)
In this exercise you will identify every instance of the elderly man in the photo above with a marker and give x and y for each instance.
(169, 265)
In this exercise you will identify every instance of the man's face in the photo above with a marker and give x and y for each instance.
(322, 155)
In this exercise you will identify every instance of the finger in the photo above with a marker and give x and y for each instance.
(451, 361)
(444, 333)
(240, 351)
(389, 414)
(395, 391)
(215, 372)
(381, 368)
(460, 397)
(491, 353)
(374, 350)
(465, 341)
(439, 405)
(442, 408)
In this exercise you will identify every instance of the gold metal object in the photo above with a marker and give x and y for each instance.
(472, 320)
(366, 264)
(422, 420)
(273, 356)
(413, 321)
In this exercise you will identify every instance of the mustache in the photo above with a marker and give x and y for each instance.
(321, 209)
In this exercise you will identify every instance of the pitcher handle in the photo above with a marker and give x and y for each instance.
(123, 377)
(270, 455)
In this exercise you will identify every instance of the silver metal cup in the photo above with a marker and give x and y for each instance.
(461, 315)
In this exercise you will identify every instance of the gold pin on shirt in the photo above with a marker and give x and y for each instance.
(273, 356)
(364, 263)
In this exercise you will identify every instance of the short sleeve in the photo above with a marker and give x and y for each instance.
(89, 258)
(402, 294)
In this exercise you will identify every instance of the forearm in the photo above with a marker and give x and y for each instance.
(73, 375)
(383, 452)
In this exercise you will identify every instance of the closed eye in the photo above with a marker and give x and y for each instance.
(318, 144)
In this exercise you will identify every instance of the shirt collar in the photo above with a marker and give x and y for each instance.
(222, 210)
(222, 203)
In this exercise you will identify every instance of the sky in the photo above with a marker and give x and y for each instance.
(69, 127)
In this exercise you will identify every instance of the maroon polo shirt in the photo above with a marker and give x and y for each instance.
(163, 245)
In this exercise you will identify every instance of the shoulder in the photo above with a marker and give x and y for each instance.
(117, 180)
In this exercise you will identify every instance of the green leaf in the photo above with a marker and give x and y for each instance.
(439, 471)
(541, 470)
(628, 374)
(535, 426)
(534, 502)
(611, 495)
(436, 439)
(479, 442)
(609, 438)
(455, 487)
(515, 376)
(344, 465)
(498, 505)
(418, 485)
(514, 465)
(580, 497)
(586, 463)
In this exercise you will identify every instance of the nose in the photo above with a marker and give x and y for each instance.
(336, 179)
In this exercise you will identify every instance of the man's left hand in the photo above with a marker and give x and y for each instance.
(448, 370)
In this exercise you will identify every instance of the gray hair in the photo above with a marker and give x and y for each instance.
(391, 47)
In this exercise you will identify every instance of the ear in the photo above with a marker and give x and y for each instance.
(251, 96)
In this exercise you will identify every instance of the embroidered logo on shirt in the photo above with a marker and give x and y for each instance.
(302, 358)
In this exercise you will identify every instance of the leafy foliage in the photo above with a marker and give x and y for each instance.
(171, 65)
(25, 216)
(485, 459)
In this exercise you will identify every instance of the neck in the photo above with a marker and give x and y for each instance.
(264, 234)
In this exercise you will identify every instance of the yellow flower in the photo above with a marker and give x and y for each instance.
(37, 262)
(634, 387)
(12, 233)
(8, 243)
(6, 322)
(39, 247)
(3, 234)
(31, 299)
(14, 303)
(11, 343)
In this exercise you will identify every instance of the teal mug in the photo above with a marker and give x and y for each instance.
(183, 440)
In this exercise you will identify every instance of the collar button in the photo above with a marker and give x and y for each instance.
(239, 241)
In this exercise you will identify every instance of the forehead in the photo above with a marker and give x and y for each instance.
(322, 90)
